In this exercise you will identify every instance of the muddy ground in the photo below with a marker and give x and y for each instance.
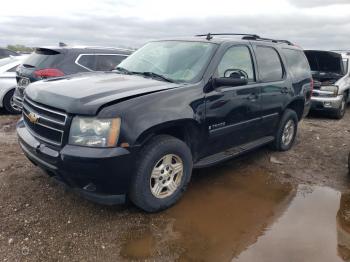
(264, 206)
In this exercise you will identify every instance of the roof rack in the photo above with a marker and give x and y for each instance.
(255, 37)
(209, 36)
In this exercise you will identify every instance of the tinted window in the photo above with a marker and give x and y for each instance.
(43, 58)
(237, 57)
(297, 63)
(100, 62)
(269, 64)
(108, 62)
(87, 61)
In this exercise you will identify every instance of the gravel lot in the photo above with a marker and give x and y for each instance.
(225, 209)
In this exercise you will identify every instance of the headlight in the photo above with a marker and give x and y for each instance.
(94, 132)
(331, 90)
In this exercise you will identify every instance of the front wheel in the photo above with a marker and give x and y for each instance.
(339, 114)
(286, 131)
(162, 173)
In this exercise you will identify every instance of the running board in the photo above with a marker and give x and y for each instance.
(232, 152)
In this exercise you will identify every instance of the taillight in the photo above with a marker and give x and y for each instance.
(48, 72)
(312, 84)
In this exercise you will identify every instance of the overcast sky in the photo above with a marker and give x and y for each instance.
(322, 24)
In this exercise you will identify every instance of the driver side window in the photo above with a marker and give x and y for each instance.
(237, 61)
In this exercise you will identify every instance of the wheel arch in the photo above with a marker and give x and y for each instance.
(297, 105)
(3, 92)
(186, 130)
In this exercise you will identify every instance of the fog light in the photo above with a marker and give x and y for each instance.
(90, 187)
(327, 104)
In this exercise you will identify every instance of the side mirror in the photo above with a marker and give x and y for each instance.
(228, 81)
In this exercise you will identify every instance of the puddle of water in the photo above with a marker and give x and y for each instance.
(307, 231)
(218, 216)
(247, 216)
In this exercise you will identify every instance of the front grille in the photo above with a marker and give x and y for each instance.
(44, 123)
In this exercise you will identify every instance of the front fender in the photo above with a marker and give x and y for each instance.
(162, 109)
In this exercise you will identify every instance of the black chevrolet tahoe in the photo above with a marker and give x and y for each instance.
(137, 132)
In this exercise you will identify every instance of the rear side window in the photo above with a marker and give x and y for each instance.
(269, 64)
(108, 62)
(297, 63)
(43, 58)
(103, 62)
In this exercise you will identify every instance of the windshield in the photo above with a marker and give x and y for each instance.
(178, 61)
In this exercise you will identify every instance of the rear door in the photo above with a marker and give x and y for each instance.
(275, 87)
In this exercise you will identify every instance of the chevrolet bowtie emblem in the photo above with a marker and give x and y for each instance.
(34, 118)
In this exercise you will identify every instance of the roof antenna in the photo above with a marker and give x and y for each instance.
(209, 37)
(61, 44)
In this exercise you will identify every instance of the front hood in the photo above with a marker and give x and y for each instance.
(86, 93)
(325, 64)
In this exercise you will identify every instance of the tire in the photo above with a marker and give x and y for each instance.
(144, 191)
(8, 103)
(340, 112)
(289, 117)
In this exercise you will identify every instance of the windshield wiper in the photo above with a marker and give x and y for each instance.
(147, 74)
(123, 70)
(155, 75)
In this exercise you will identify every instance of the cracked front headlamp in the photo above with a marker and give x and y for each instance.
(94, 132)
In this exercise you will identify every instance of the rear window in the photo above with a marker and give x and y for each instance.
(100, 62)
(297, 63)
(43, 58)
(269, 64)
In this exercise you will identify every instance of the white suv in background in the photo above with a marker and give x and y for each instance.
(8, 82)
(331, 73)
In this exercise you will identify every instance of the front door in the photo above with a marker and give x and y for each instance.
(233, 111)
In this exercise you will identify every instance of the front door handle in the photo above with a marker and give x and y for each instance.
(284, 90)
(253, 97)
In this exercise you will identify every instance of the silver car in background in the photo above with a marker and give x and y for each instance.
(331, 74)
(8, 81)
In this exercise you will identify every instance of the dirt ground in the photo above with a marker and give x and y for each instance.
(225, 210)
